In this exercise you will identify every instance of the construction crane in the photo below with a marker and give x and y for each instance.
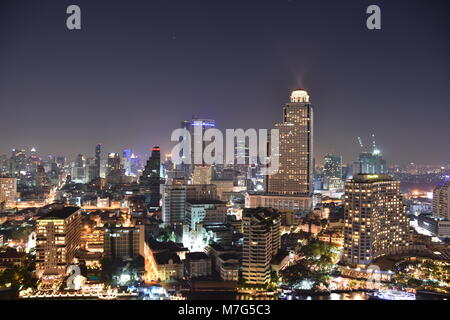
(360, 143)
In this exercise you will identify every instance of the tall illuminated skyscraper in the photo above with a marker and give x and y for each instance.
(294, 176)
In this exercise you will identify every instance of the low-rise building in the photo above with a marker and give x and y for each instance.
(197, 264)
(169, 266)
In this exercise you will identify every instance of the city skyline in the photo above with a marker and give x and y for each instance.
(146, 59)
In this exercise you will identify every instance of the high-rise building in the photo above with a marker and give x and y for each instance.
(372, 162)
(114, 169)
(332, 166)
(151, 176)
(205, 212)
(375, 220)
(262, 240)
(294, 176)
(201, 175)
(18, 163)
(198, 128)
(441, 200)
(8, 190)
(332, 172)
(124, 243)
(98, 156)
(175, 197)
(57, 240)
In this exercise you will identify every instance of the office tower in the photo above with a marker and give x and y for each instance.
(205, 212)
(294, 176)
(41, 179)
(114, 169)
(262, 240)
(332, 166)
(175, 197)
(372, 162)
(58, 240)
(375, 220)
(441, 200)
(293, 182)
(173, 204)
(198, 128)
(18, 163)
(126, 161)
(79, 172)
(201, 175)
(8, 190)
(98, 156)
(151, 176)
(91, 169)
(332, 171)
(4, 164)
(124, 243)
(135, 165)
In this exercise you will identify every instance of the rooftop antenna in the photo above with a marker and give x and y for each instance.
(374, 144)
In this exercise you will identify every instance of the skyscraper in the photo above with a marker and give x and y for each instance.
(114, 170)
(441, 200)
(151, 176)
(375, 220)
(372, 162)
(198, 128)
(123, 242)
(293, 181)
(262, 240)
(98, 156)
(332, 171)
(294, 176)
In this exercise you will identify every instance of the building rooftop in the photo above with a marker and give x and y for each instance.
(371, 178)
(63, 213)
(207, 201)
(197, 256)
(164, 257)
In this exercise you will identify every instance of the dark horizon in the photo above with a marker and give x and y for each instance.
(139, 68)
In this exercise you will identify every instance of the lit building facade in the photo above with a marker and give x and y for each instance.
(124, 243)
(8, 190)
(441, 201)
(205, 212)
(262, 240)
(375, 220)
(294, 176)
(57, 241)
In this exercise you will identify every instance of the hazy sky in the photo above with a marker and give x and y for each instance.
(139, 67)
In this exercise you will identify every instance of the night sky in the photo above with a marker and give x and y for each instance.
(139, 67)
